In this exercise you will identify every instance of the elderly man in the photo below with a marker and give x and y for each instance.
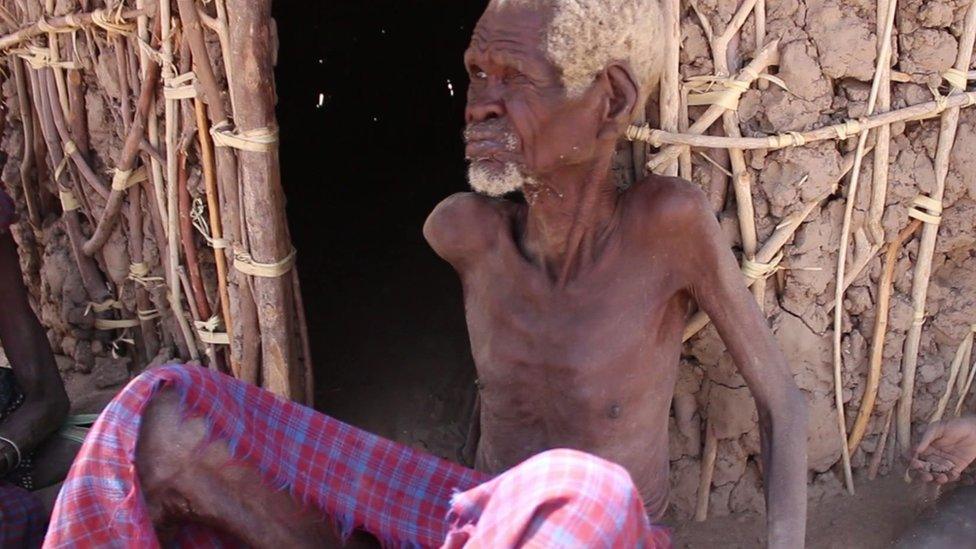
(575, 301)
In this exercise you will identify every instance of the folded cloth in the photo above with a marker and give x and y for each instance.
(356, 479)
(22, 518)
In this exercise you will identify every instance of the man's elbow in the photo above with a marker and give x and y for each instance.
(792, 412)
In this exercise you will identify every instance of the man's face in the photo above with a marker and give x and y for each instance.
(520, 122)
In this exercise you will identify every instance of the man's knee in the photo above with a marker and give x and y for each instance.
(574, 473)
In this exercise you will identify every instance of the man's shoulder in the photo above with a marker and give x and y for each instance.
(669, 201)
(465, 223)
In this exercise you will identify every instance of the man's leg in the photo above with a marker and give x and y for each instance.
(560, 498)
(22, 518)
(184, 444)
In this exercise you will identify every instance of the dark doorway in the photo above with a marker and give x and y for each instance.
(370, 103)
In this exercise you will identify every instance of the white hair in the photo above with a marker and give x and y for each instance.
(495, 183)
(584, 36)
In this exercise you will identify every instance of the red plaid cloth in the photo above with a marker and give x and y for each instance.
(22, 518)
(357, 479)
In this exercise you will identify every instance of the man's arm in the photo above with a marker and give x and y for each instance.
(25, 344)
(718, 287)
(462, 226)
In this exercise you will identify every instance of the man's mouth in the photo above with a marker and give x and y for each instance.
(486, 149)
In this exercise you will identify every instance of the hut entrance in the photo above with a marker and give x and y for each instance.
(371, 98)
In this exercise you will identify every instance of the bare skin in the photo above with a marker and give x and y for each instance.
(576, 299)
(575, 306)
(946, 449)
(45, 401)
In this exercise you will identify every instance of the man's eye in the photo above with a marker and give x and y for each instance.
(480, 75)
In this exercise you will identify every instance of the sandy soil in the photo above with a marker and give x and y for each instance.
(874, 517)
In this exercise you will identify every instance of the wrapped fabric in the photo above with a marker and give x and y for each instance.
(354, 478)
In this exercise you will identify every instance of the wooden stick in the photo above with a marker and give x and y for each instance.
(965, 390)
(55, 53)
(961, 352)
(216, 232)
(671, 77)
(127, 161)
(759, 14)
(882, 61)
(306, 344)
(707, 471)
(741, 180)
(186, 237)
(684, 159)
(172, 200)
(921, 111)
(879, 186)
(769, 55)
(783, 233)
(964, 372)
(879, 450)
(76, 20)
(245, 345)
(926, 249)
(250, 59)
(91, 277)
(27, 162)
(878, 338)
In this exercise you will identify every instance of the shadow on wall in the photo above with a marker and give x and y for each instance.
(371, 98)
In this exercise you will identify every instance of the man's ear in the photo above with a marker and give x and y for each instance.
(622, 100)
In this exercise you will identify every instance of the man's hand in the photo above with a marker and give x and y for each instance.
(946, 449)
(8, 458)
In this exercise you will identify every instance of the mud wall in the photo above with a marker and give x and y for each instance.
(828, 53)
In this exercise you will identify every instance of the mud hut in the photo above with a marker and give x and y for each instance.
(834, 139)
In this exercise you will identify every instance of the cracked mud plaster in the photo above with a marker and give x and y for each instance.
(828, 54)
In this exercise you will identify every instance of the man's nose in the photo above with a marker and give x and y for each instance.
(481, 109)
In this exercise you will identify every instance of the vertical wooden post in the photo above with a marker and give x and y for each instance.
(250, 41)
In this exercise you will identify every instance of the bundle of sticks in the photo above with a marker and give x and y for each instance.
(149, 133)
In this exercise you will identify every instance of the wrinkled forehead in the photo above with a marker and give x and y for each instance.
(511, 33)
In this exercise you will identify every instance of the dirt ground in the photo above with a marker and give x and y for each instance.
(874, 517)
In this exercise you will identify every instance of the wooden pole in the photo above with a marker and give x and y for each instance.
(670, 107)
(878, 338)
(882, 61)
(263, 197)
(246, 340)
(926, 249)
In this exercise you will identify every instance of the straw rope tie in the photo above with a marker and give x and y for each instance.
(257, 140)
(71, 24)
(246, 264)
(39, 58)
(756, 270)
(139, 273)
(847, 129)
(207, 331)
(727, 98)
(68, 201)
(103, 306)
(70, 148)
(788, 139)
(956, 78)
(145, 315)
(123, 179)
(203, 227)
(109, 324)
(926, 209)
(112, 22)
(180, 87)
